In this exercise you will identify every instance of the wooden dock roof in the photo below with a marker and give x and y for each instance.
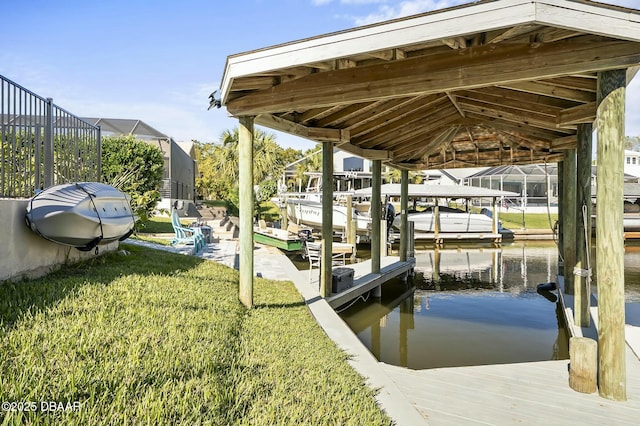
(484, 84)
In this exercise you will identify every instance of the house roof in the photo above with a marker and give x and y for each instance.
(490, 83)
(126, 126)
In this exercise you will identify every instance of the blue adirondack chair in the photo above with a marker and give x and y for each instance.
(185, 234)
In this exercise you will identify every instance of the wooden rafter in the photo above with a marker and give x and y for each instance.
(518, 62)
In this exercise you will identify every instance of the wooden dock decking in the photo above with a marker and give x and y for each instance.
(525, 393)
(364, 280)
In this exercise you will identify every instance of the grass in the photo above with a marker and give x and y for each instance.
(159, 338)
(531, 220)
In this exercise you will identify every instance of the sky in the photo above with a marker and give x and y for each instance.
(158, 61)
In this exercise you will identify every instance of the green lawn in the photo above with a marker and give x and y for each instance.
(531, 220)
(158, 338)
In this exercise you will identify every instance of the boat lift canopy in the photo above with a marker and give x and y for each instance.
(438, 191)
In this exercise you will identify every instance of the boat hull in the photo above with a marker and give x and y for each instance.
(277, 238)
(309, 213)
(81, 215)
(461, 222)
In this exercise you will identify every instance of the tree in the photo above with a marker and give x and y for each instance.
(219, 165)
(136, 168)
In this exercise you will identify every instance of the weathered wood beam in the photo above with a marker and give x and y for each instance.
(510, 96)
(541, 88)
(313, 133)
(612, 378)
(579, 114)
(439, 142)
(398, 112)
(513, 115)
(255, 83)
(455, 103)
(344, 63)
(370, 154)
(564, 143)
(341, 114)
(455, 42)
(511, 99)
(582, 83)
(469, 68)
(512, 33)
(532, 132)
(409, 127)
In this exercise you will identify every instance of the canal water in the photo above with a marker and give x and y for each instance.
(473, 306)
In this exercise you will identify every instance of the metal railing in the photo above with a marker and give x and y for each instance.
(42, 144)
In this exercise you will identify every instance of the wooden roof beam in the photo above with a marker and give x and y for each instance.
(580, 114)
(442, 72)
(388, 54)
(568, 142)
(313, 133)
(370, 154)
(547, 89)
(455, 103)
(399, 114)
(510, 33)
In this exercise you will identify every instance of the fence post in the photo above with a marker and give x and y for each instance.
(99, 149)
(37, 183)
(48, 144)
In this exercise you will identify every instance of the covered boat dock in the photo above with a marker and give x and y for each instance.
(484, 84)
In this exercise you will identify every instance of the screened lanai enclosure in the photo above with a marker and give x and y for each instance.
(537, 184)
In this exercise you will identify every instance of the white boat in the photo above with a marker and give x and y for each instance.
(81, 215)
(309, 213)
(451, 220)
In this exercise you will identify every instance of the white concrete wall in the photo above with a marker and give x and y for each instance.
(24, 254)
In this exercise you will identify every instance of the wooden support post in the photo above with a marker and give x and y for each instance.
(609, 235)
(583, 364)
(404, 204)
(349, 219)
(376, 215)
(327, 219)
(494, 224)
(582, 280)
(569, 218)
(436, 267)
(411, 252)
(383, 238)
(560, 218)
(436, 223)
(245, 182)
(354, 238)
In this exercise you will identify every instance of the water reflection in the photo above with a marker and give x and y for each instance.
(474, 306)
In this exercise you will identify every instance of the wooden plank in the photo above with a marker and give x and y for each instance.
(609, 234)
(585, 113)
(473, 67)
(317, 134)
(370, 281)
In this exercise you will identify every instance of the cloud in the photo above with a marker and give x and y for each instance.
(347, 2)
(405, 8)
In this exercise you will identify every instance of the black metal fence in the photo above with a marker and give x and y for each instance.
(42, 144)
